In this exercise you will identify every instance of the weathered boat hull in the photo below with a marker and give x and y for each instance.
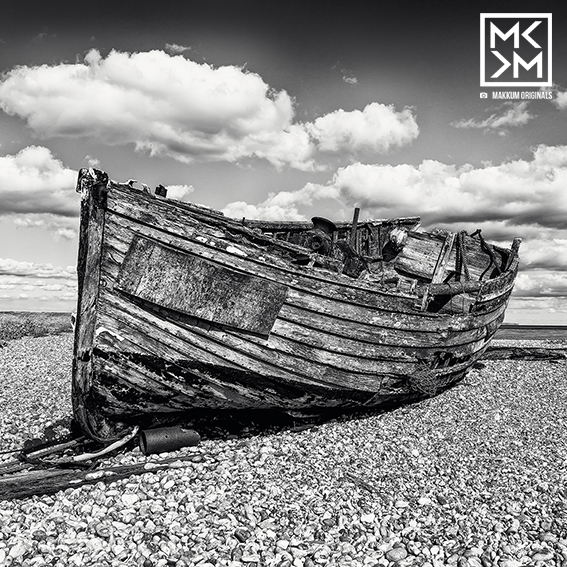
(182, 310)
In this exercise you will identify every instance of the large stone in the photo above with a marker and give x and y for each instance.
(542, 556)
(396, 554)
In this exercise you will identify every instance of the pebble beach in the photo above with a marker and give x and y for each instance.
(476, 476)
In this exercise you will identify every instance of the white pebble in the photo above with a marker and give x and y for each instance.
(18, 550)
(130, 499)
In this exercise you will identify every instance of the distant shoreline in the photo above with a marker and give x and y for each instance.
(520, 326)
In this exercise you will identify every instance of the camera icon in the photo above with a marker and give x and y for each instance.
(483, 95)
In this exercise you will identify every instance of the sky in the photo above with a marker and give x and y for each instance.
(279, 110)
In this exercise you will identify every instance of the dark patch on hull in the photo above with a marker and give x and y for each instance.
(209, 389)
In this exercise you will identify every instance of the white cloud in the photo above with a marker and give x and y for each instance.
(166, 104)
(541, 284)
(561, 100)
(350, 80)
(292, 146)
(282, 205)
(92, 161)
(34, 181)
(179, 192)
(376, 129)
(510, 114)
(548, 254)
(518, 192)
(65, 228)
(176, 48)
(508, 199)
(27, 283)
(169, 105)
(69, 296)
(52, 287)
(10, 267)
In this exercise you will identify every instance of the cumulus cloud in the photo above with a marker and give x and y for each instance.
(34, 181)
(376, 129)
(541, 284)
(510, 114)
(517, 192)
(65, 228)
(281, 206)
(16, 268)
(179, 192)
(24, 283)
(169, 105)
(509, 199)
(545, 254)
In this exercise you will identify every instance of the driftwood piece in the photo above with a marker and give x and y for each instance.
(19, 465)
(524, 353)
(42, 482)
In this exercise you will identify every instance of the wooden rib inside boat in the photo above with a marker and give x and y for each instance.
(182, 310)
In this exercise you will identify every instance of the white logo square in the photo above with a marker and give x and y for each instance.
(515, 50)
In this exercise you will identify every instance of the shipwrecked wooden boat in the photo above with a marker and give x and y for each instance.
(182, 310)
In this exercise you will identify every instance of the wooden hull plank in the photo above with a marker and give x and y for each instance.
(301, 289)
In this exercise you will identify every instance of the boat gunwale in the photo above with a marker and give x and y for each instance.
(362, 285)
(449, 318)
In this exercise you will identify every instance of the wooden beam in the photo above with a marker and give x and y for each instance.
(443, 259)
(354, 228)
(93, 213)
